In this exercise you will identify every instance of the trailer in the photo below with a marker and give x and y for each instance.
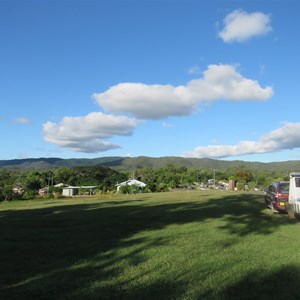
(294, 193)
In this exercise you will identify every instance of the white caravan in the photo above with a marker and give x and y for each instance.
(294, 193)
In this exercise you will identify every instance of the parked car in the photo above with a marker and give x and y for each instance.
(277, 195)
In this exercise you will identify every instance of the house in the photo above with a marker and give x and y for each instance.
(131, 182)
(43, 190)
(71, 191)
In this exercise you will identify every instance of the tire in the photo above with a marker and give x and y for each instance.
(266, 204)
(273, 209)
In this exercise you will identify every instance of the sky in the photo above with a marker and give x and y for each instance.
(205, 79)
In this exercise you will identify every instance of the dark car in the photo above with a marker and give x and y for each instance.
(277, 195)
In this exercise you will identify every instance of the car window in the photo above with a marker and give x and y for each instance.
(284, 188)
(272, 188)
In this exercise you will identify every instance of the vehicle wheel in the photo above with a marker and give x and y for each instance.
(273, 209)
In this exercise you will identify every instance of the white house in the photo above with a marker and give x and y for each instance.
(131, 182)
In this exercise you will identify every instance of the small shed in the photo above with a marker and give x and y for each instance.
(71, 191)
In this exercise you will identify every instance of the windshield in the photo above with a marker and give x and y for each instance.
(284, 188)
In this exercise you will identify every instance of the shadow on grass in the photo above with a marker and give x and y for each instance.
(281, 284)
(75, 251)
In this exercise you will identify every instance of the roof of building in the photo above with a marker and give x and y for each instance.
(81, 187)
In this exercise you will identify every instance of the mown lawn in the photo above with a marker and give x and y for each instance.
(177, 245)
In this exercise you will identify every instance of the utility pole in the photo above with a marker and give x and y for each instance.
(214, 179)
(50, 178)
(48, 181)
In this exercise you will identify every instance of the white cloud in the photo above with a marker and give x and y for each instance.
(147, 101)
(286, 137)
(86, 134)
(22, 120)
(240, 26)
(161, 101)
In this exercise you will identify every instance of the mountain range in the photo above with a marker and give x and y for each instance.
(119, 163)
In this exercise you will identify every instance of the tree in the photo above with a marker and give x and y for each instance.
(203, 176)
(65, 175)
(252, 185)
(245, 176)
(148, 175)
(33, 181)
(241, 184)
(7, 193)
(125, 189)
(28, 194)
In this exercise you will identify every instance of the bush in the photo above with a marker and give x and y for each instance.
(125, 189)
(29, 194)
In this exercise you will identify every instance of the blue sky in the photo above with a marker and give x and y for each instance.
(215, 79)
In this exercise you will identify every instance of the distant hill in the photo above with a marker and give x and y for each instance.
(133, 163)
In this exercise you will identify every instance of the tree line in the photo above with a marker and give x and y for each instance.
(18, 184)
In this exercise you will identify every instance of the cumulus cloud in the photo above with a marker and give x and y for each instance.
(86, 133)
(160, 101)
(22, 121)
(147, 101)
(89, 133)
(240, 26)
(286, 137)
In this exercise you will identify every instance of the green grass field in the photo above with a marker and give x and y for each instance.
(177, 245)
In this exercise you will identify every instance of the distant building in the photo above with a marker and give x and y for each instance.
(131, 182)
(43, 190)
(71, 191)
